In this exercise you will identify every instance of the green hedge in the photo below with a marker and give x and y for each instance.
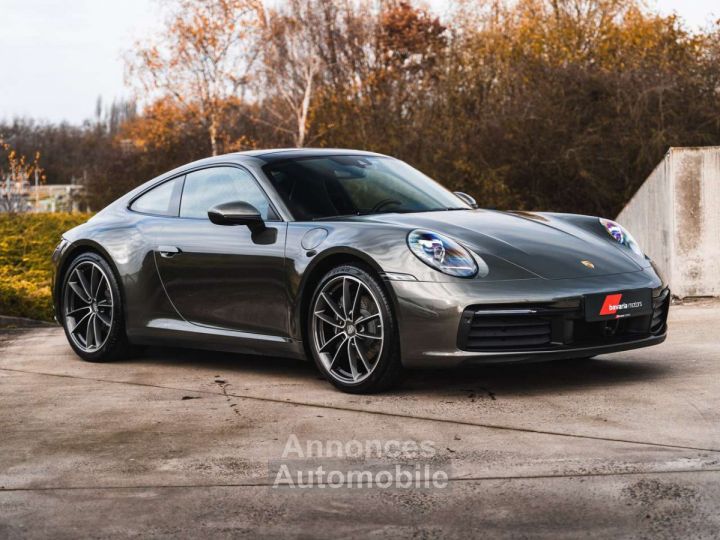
(26, 245)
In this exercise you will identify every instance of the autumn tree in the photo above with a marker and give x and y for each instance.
(16, 173)
(575, 101)
(202, 59)
(381, 65)
(291, 64)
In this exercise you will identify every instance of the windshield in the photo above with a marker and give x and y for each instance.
(332, 186)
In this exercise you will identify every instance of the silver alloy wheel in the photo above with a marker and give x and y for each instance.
(88, 306)
(347, 329)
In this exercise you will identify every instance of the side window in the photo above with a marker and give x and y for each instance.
(163, 200)
(216, 185)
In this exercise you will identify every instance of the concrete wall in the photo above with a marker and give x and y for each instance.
(675, 217)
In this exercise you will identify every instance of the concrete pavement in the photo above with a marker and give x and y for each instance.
(179, 443)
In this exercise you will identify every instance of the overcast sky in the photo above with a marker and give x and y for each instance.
(58, 56)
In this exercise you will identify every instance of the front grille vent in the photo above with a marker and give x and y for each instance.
(661, 305)
(488, 332)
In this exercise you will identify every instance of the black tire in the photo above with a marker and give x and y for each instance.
(111, 344)
(386, 368)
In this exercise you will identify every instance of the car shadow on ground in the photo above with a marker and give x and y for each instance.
(537, 377)
(272, 366)
(483, 381)
(487, 381)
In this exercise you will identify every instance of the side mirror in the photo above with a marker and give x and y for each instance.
(467, 199)
(237, 213)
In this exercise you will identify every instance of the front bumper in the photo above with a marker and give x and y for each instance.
(430, 317)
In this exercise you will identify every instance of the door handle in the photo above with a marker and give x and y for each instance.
(168, 251)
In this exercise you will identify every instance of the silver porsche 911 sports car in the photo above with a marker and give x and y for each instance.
(353, 259)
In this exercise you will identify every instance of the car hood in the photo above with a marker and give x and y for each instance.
(545, 245)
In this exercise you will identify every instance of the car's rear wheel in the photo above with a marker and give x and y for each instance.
(91, 310)
(352, 331)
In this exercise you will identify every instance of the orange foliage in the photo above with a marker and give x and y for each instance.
(201, 59)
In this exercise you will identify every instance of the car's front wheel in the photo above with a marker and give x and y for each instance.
(352, 331)
(91, 310)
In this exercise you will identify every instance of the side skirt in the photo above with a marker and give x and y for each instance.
(179, 333)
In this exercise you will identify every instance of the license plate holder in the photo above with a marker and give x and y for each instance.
(618, 304)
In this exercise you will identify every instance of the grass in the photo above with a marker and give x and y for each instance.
(26, 245)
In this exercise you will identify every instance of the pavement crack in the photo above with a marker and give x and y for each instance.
(480, 392)
(228, 397)
(460, 479)
(290, 402)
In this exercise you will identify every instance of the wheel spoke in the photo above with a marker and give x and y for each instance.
(363, 320)
(366, 336)
(332, 305)
(79, 292)
(83, 283)
(337, 352)
(325, 318)
(93, 281)
(76, 310)
(361, 356)
(96, 332)
(332, 339)
(82, 319)
(99, 287)
(352, 362)
(355, 300)
(346, 298)
(89, 333)
(103, 319)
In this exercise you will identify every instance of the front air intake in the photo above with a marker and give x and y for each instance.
(488, 331)
(661, 305)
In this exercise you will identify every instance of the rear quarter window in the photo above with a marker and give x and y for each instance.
(162, 200)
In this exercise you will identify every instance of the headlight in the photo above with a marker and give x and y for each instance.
(442, 253)
(621, 235)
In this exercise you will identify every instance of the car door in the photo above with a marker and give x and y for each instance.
(220, 275)
(150, 214)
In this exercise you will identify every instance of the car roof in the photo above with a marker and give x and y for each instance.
(279, 154)
(266, 156)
